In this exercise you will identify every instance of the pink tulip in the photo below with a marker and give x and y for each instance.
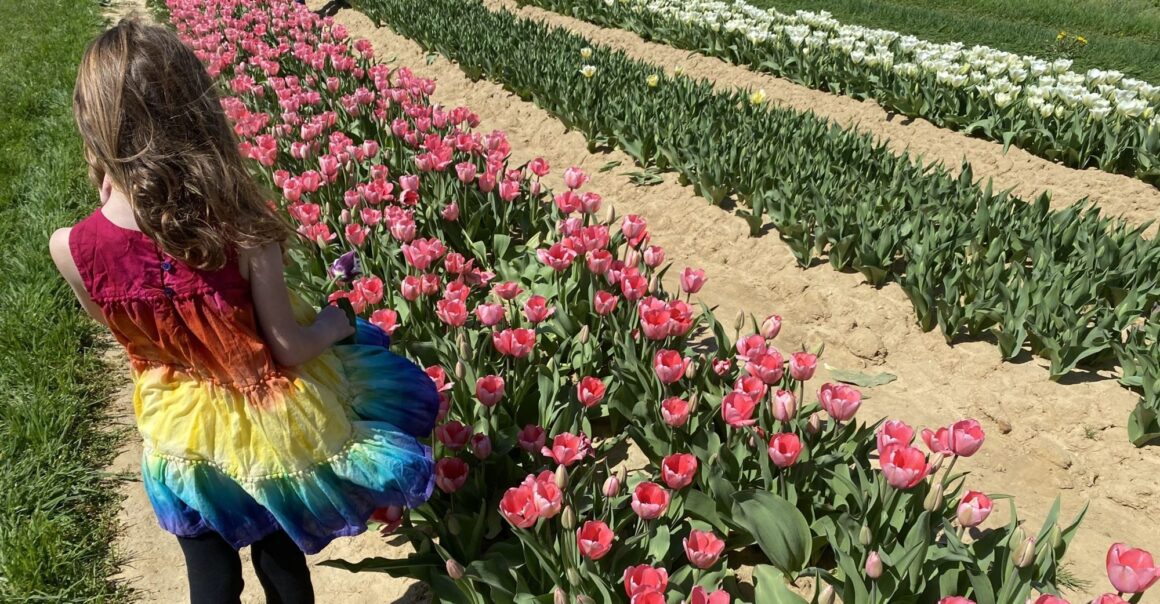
(539, 166)
(670, 366)
(1109, 599)
(451, 312)
(768, 366)
(650, 500)
(507, 290)
(489, 390)
(466, 171)
(751, 386)
(802, 366)
(751, 346)
(904, 467)
(784, 449)
(450, 212)
(678, 470)
(737, 409)
(644, 579)
(699, 596)
(386, 320)
(547, 496)
(873, 566)
(518, 506)
(675, 411)
(567, 448)
(703, 548)
(840, 401)
(536, 309)
(450, 474)
(654, 256)
(574, 178)
(722, 366)
(453, 435)
(633, 227)
(692, 280)
(590, 202)
(894, 432)
(633, 286)
(516, 343)
(509, 190)
(784, 405)
(558, 257)
(1131, 570)
(973, 509)
(490, 315)
(590, 391)
(939, 441)
(966, 437)
(594, 539)
(611, 486)
(371, 289)
(604, 303)
(599, 261)
(481, 446)
(531, 438)
(411, 288)
(770, 327)
(956, 600)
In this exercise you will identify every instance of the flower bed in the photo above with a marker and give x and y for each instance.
(1071, 286)
(553, 340)
(1098, 118)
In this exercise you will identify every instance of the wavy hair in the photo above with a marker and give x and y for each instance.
(152, 122)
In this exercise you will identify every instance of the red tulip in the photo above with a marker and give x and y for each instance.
(391, 518)
(904, 467)
(1131, 570)
(489, 390)
(670, 366)
(956, 600)
(574, 177)
(516, 343)
(386, 320)
(678, 470)
(451, 312)
(802, 366)
(784, 405)
(1050, 599)
(590, 391)
(644, 578)
(784, 449)
(675, 411)
(518, 506)
(737, 409)
(547, 496)
(450, 474)
(453, 435)
(507, 290)
(594, 539)
(568, 448)
(604, 303)
(531, 438)
(650, 500)
(939, 441)
(770, 327)
(703, 548)
(966, 437)
(481, 446)
(894, 432)
(648, 597)
(699, 596)
(768, 366)
(692, 280)
(536, 309)
(973, 509)
(840, 401)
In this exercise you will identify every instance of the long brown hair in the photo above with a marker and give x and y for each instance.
(151, 120)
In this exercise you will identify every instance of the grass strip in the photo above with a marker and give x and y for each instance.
(57, 508)
(1063, 285)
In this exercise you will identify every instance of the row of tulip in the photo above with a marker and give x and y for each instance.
(1067, 285)
(542, 320)
(1099, 118)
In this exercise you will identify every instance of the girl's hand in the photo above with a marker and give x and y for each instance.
(334, 323)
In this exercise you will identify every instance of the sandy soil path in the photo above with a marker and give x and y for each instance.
(1025, 174)
(1044, 437)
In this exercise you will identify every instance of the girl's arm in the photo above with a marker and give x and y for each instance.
(291, 344)
(62, 256)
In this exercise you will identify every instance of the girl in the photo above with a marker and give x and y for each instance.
(257, 429)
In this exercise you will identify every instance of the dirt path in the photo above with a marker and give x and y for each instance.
(1043, 438)
(1025, 174)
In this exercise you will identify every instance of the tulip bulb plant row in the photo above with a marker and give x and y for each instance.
(1099, 118)
(545, 324)
(1070, 286)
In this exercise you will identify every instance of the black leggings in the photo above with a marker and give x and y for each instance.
(215, 570)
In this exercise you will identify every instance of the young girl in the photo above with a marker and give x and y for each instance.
(257, 429)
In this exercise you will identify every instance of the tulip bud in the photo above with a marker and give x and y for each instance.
(582, 599)
(610, 216)
(454, 569)
(568, 519)
(464, 349)
(573, 576)
(582, 337)
(452, 524)
(936, 463)
(622, 474)
(1055, 537)
(562, 477)
(873, 565)
(814, 424)
(652, 284)
(679, 71)
(865, 537)
(611, 486)
(1025, 555)
(691, 371)
(827, 595)
(1017, 537)
(344, 217)
(934, 499)
(559, 597)
(739, 320)
(460, 370)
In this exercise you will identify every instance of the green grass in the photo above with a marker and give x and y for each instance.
(1122, 34)
(57, 507)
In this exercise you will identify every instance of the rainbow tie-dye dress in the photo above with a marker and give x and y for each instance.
(234, 443)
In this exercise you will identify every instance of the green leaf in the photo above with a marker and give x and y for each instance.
(778, 527)
(771, 587)
(864, 380)
(702, 507)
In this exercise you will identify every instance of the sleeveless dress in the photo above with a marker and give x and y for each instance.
(234, 443)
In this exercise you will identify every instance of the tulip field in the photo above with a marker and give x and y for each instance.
(560, 337)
